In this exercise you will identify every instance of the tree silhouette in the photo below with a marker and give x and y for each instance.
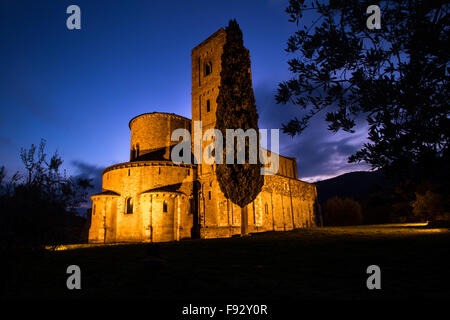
(40, 209)
(397, 77)
(236, 109)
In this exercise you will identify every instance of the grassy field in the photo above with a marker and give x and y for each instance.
(319, 263)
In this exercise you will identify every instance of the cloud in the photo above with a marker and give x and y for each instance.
(93, 172)
(320, 153)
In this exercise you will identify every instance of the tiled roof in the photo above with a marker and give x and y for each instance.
(107, 193)
(169, 188)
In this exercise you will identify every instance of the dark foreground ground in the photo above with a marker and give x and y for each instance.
(321, 263)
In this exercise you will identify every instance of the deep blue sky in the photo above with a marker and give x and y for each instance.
(78, 89)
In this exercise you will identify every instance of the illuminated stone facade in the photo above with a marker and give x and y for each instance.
(151, 199)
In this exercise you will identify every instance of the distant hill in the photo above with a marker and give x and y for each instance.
(356, 185)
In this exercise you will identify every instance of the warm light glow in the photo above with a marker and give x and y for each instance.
(87, 245)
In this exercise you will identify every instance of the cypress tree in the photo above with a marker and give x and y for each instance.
(236, 109)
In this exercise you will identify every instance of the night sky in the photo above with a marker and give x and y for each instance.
(79, 89)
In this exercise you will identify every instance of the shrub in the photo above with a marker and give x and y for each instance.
(342, 212)
(429, 205)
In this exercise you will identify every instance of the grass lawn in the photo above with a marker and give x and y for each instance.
(318, 263)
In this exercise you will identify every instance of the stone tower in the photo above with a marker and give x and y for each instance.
(217, 216)
(206, 65)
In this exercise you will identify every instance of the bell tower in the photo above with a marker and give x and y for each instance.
(206, 65)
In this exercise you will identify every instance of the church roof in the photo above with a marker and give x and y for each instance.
(169, 188)
(157, 154)
(107, 193)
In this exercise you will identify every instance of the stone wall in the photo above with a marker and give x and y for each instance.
(174, 224)
(283, 204)
(142, 182)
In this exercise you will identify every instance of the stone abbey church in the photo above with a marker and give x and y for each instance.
(152, 199)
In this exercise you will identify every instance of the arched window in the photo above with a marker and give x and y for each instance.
(93, 210)
(208, 106)
(165, 206)
(208, 68)
(129, 206)
(137, 150)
